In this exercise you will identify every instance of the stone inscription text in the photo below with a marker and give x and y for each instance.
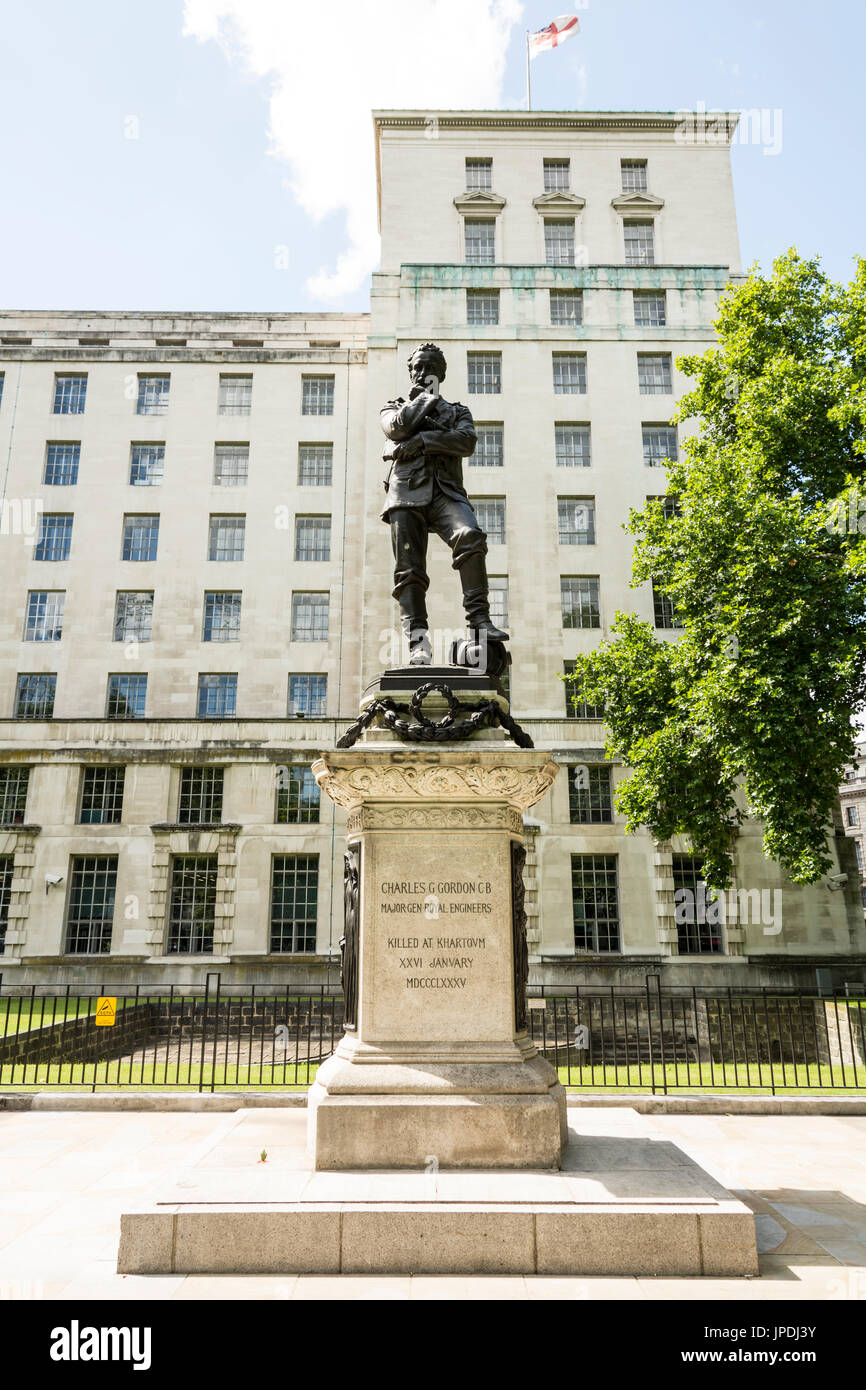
(433, 958)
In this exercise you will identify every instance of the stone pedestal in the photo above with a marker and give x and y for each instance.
(436, 1069)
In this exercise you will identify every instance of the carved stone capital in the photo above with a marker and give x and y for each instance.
(517, 777)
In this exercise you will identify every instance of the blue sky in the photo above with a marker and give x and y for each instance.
(215, 154)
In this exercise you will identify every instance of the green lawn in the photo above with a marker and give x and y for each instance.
(85, 1076)
(749, 1078)
(19, 1015)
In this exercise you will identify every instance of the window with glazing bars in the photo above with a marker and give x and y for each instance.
(7, 873)
(147, 465)
(101, 801)
(484, 373)
(133, 615)
(580, 601)
(308, 694)
(226, 538)
(90, 908)
(222, 617)
(659, 443)
(54, 538)
(2, 384)
(853, 815)
(140, 538)
(639, 243)
(649, 309)
(489, 449)
(566, 307)
(479, 235)
(654, 373)
(235, 394)
(62, 459)
(573, 446)
(231, 465)
(192, 908)
(312, 538)
(595, 902)
(479, 174)
(664, 610)
(569, 373)
(70, 393)
(696, 909)
(576, 519)
(491, 517)
(634, 178)
(559, 240)
(575, 706)
(297, 796)
(217, 696)
(14, 782)
(499, 599)
(556, 175)
(201, 795)
(315, 465)
(127, 696)
(309, 617)
(153, 395)
(482, 306)
(44, 621)
(294, 902)
(589, 794)
(34, 696)
(317, 395)
(668, 502)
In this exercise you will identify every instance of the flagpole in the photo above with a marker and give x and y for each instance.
(528, 79)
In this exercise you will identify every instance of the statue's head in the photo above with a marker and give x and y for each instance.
(427, 360)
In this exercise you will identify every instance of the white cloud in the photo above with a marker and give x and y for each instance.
(331, 65)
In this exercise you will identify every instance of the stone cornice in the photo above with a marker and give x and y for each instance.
(559, 202)
(647, 204)
(479, 200)
(360, 776)
(668, 121)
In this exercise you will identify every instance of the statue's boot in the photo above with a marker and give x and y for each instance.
(476, 600)
(413, 619)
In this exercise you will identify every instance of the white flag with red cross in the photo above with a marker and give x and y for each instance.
(552, 35)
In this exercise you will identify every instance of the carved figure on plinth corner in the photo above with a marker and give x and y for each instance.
(521, 949)
(349, 939)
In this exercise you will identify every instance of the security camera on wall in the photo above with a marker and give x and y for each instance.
(52, 880)
(836, 881)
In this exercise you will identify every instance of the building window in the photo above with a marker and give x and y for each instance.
(559, 240)
(309, 617)
(235, 394)
(192, 911)
(566, 308)
(315, 465)
(133, 615)
(34, 696)
(140, 538)
(580, 601)
(649, 309)
(2, 384)
(696, 910)
(595, 902)
(484, 373)
(557, 175)
(489, 449)
(7, 873)
(859, 851)
(101, 796)
(479, 174)
(664, 612)
(294, 902)
(217, 696)
(490, 512)
(575, 706)
(297, 796)
(576, 518)
(147, 465)
(317, 395)
(853, 815)
(482, 306)
(654, 373)
(152, 395)
(44, 622)
(70, 393)
(480, 240)
(499, 599)
(54, 538)
(313, 538)
(126, 696)
(14, 782)
(222, 617)
(308, 695)
(668, 502)
(61, 463)
(226, 538)
(589, 795)
(573, 446)
(659, 444)
(569, 373)
(231, 465)
(633, 175)
(639, 243)
(201, 795)
(90, 913)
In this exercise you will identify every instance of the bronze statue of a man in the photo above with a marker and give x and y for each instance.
(427, 439)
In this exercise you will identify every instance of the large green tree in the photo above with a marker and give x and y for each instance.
(761, 548)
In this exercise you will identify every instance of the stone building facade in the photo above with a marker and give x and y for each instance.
(196, 582)
(852, 796)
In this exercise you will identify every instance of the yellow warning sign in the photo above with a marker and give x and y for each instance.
(106, 1011)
